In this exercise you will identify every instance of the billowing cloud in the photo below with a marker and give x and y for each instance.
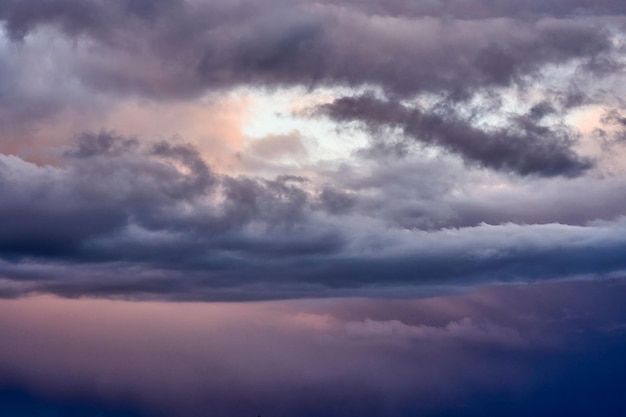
(418, 146)
(349, 166)
(121, 217)
(164, 48)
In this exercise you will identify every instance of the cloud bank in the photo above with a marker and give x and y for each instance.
(422, 147)
(506, 350)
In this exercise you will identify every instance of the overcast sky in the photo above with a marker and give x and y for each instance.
(263, 150)
(235, 150)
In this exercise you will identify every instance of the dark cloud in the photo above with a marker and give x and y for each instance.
(336, 201)
(614, 117)
(176, 48)
(114, 196)
(131, 219)
(94, 144)
(615, 121)
(78, 17)
(487, 151)
(480, 9)
(124, 216)
(523, 146)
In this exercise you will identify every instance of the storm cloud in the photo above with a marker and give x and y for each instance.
(427, 145)
(172, 48)
(524, 146)
(312, 208)
(130, 218)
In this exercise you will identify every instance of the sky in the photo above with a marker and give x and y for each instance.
(312, 208)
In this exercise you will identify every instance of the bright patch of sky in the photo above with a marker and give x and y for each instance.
(283, 111)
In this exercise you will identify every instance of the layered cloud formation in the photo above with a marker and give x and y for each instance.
(409, 147)
(533, 350)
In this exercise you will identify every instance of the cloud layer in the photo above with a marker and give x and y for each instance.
(425, 199)
(124, 218)
(507, 350)
(421, 146)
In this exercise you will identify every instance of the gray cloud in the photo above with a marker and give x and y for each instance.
(131, 219)
(124, 216)
(524, 146)
(175, 48)
(477, 9)
(490, 153)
